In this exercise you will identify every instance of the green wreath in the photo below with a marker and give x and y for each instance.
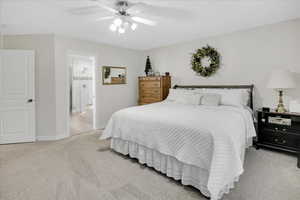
(214, 58)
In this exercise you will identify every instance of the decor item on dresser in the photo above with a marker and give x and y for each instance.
(113, 75)
(153, 89)
(281, 80)
(279, 131)
(205, 61)
(148, 69)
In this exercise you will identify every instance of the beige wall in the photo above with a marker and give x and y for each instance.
(110, 98)
(1, 26)
(1, 41)
(43, 45)
(248, 57)
(52, 91)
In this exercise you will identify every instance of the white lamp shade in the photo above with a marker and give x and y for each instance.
(281, 79)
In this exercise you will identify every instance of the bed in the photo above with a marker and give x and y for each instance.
(202, 146)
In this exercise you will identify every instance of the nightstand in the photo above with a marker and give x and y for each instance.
(279, 131)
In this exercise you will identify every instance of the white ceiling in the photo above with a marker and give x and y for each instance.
(185, 20)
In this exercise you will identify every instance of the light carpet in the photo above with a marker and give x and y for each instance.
(83, 168)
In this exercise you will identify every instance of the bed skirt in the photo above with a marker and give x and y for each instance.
(168, 165)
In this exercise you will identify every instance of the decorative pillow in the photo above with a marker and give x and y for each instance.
(210, 99)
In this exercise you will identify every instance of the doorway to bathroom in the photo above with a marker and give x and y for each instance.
(82, 94)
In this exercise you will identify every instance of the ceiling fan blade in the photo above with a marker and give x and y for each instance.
(88, 10)
(144, 21)
(177, 3)
(159, 11)
(104, 6)
(105, 18)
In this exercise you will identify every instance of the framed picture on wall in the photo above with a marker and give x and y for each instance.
(113, 75)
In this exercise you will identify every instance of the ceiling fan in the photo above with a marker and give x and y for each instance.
(124, 14)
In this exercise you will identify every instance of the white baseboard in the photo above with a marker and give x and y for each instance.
(51, 137)
(45, 138)
(62, 136)
(17, 140)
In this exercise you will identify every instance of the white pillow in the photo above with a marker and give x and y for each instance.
(231, 97)
(210, 99)
(174, 94)
(234, 98)
(189, 98)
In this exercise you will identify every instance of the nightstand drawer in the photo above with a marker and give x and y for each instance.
(281, 139)
(282, 129)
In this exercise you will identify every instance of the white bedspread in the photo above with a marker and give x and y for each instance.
(212, 138)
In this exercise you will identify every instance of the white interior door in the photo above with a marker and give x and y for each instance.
(17, 105)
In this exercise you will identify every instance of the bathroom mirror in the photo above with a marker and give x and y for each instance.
(113, 75)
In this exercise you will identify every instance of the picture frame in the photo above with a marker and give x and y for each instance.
(114, 75)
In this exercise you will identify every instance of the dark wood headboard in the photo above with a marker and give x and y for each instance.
(249, 87)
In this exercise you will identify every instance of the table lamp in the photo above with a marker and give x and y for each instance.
(280, 80)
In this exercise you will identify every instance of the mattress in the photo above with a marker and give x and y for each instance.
(209, 139)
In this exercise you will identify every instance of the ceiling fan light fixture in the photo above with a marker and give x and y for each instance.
(118, 22)
(123, 15)
(126, 24)
(113, 27)
(133, 26)
(121, 30)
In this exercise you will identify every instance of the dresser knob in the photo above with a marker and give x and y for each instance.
(276, 140)
(276, 129)
(283, 142)
(283, 129)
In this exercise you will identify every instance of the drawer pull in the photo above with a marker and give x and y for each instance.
(283, 129)
(276, 129)
(282, 142)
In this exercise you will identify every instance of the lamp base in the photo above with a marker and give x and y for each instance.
(280, 108)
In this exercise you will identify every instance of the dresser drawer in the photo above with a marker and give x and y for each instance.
(281, 139)
(150, 95)
(156, 92)
(149, 78)
(149, 99)
(150, 84)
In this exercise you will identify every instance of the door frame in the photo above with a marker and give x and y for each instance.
(69, 55)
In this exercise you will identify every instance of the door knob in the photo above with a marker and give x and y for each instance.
(29, 100)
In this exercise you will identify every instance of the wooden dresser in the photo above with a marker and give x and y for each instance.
(153, 88)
